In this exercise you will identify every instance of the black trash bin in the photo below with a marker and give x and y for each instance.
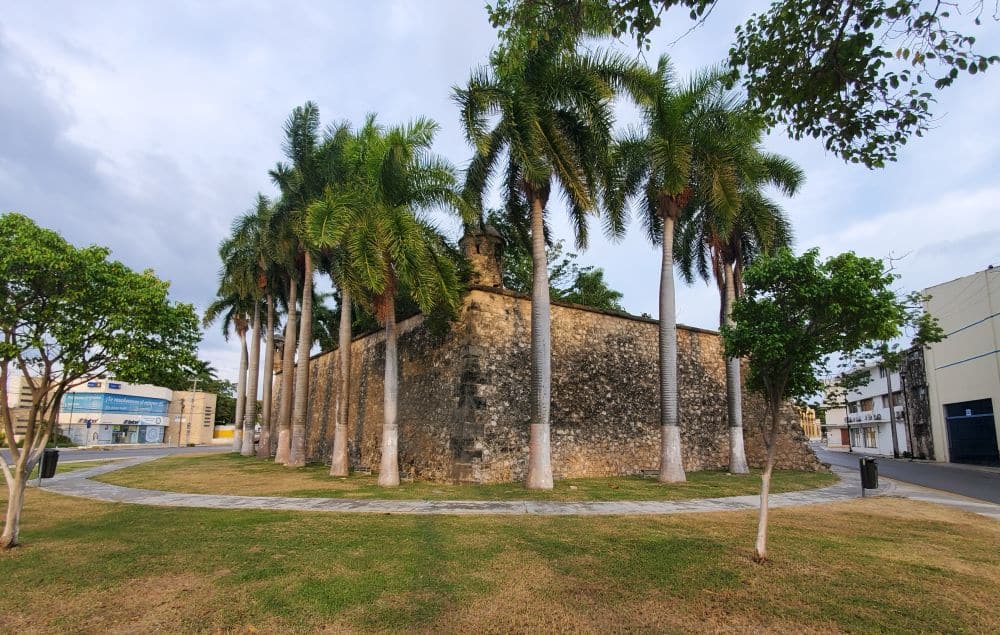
(869, 473)
(49, 460)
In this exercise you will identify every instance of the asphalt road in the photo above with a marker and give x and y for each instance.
(965, 480)
(110, 452)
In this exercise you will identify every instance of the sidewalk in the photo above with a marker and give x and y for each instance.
(77, 483)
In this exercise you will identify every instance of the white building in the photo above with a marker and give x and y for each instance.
(962, 372)
(106, 412)
(865, 424)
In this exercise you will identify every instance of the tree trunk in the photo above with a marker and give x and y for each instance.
(339, 463)
(241, 399)
(253, 376)
(287, 377)
(539, 449)
(388, 472)
(264, 447)
(760, 549)
(297, 451)
(671, 460)
(15, 503)
(734, 393)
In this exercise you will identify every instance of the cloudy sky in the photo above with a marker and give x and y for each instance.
(148, 127)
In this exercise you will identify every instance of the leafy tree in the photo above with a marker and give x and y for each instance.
(69, 315)
(861, 74)
(542, 117)
(387, 244)
(795, 313)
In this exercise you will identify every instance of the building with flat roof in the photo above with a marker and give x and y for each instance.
(961, 374)
(105, 411)
(864, 424)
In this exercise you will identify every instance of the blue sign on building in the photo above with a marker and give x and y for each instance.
(122, 404)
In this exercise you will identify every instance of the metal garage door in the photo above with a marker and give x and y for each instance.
(972, 435)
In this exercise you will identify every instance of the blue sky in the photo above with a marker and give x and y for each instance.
(148, 127)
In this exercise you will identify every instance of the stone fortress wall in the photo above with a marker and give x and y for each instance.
(464, 403)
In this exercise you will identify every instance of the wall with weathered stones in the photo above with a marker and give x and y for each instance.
(465, 396)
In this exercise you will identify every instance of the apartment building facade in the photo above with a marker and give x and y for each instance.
(864, 421)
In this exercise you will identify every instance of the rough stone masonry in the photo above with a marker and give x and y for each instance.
(464, 404)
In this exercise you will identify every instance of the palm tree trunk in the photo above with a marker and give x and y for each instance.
(539, 448)
(734, 393)
(264, 447)
(253, 376)
(241, 398)
(388, 473)
(287, 377)
(671, 460)
(297, 451)
(339, 464)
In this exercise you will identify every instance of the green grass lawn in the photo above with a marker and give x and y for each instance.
(875, 565)
(234, 474)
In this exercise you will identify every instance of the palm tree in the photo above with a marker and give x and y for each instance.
(232, 307)
(386, 245)
(302, 182)
(678, 154)
(552, 111)
(718, 244)
(245, 256)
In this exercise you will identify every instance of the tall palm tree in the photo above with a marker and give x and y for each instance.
(716, 244)
(245, 256)
(551, 113)
(386, 245)
(232, 308)
(301, 182)
(679, 154)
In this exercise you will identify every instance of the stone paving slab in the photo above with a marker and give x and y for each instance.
(78, 483)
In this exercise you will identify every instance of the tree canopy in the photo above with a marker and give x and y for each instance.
(862, 75)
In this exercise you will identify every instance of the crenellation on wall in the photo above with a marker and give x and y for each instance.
(465, 397)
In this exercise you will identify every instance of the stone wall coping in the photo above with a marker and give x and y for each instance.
(588, 309)
(411, 322)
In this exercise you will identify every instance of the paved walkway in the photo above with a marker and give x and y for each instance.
(78, 483)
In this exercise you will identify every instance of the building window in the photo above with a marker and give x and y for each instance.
(881, 371)
(856, 437)
(870, 438)
(867, 405)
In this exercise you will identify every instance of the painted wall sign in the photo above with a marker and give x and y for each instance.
(124, 404)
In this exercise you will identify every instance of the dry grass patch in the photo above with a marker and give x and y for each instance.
(233, 474)
(864, 566)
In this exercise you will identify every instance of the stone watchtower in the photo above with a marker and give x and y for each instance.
(483, 246)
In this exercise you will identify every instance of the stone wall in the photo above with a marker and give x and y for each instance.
(917, 403)
(465, 396)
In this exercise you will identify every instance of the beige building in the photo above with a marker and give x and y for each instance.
(19, 402)
(962, 372)
(191, 417)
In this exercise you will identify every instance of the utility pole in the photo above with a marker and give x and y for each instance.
(892, 411)
(194, 392)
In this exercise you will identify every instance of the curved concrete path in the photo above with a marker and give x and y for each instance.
(78, 483)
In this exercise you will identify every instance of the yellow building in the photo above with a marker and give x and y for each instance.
(810, 425)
